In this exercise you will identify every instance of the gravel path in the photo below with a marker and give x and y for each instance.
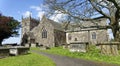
(67, 61)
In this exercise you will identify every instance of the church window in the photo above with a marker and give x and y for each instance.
(44, 33)
(93, 35)
(69, 37)
(75, 39)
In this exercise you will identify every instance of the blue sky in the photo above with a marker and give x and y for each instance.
(17, 8)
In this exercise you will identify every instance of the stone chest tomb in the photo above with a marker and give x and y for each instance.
(79, 47)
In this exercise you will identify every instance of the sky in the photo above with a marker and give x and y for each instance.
(19, 8)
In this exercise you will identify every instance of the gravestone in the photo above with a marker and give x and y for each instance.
(4, 52)
(109, 48)
(65, 46)
(18, 50)
(78, 47)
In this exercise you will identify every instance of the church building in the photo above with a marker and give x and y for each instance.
(46, 32)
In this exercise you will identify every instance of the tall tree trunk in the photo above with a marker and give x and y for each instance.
(117, 36)
(117, 28)
(116, 32)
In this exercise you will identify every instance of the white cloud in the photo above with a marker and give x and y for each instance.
(37, 8)
(41, 11)
(57, 16)
(40, 14)
(27, 14)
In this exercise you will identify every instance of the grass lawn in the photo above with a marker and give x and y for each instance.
(93, 54)
(31, 59)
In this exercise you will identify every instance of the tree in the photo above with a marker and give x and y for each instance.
(8, 27)
(89, 10)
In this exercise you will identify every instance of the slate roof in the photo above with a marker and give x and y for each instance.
(99, 22)
(56, 25)
(88, 25)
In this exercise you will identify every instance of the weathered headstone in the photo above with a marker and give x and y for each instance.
(65, 46)
(109, 48)
(18, 50)
(4, 52)
(78, 47)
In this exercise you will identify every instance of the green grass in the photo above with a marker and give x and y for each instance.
(93, 54)
(35, 48)
(27, 60)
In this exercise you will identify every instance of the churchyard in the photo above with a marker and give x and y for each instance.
(93, 54)
(13, 51)
(30, 59)
(65, 29)
(22, 56)
(104, 52)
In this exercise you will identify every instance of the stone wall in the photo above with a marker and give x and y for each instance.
(77, 36)
(44, 25)
(60, 37)
(27, 25)
(86, 36)
(33, 23)
(4, 52)
(18, 50)
(101, 36)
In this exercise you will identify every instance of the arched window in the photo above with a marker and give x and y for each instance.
(93, 35)
(69, 37)
(44, 33)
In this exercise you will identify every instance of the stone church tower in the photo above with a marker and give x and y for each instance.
(28, 24)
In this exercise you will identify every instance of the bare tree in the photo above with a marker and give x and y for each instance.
(89, 10)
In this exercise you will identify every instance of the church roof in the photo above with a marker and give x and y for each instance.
(56, 25)
(88, 25)
(99, 22)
